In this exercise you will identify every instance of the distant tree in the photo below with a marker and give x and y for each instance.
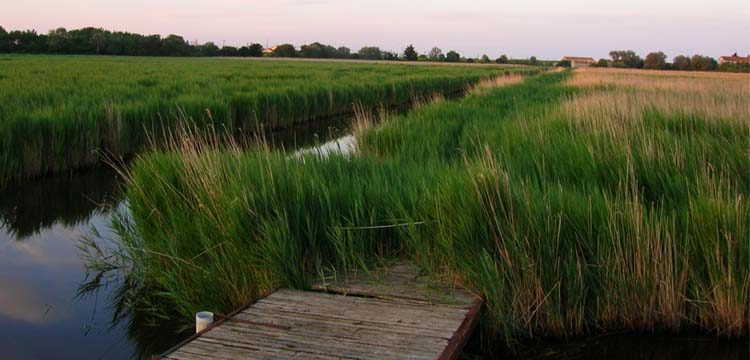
(602, 63)
(243, 51)
(4, 43)
(435, 54)
(27, 41)
(57, 40)
(735, 67)
(485, 59)
(626, 59)
(681, 62)
(388, 55)
(422, 57)
(174, 45)
(703, 63)
(317, 50)
(503, 59)
(452, 56)
(99, 39)
(80, 41)
(314, 50)
(229, 51)
(564, 63)
(617, 58)
(256, 50)
(470, 60)
(208, 49)
(253, 50)
(655, 61)
(115, 46)
(151, 45)
(285, 50)
(370, 53)
(410, 54)
(533, 60)
(343, 52)
(90, 40)
(329, 51)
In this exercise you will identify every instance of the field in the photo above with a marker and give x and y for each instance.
(60, 113)
(576, 203)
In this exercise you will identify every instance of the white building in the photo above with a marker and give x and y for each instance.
(576, 61)
(734, 59)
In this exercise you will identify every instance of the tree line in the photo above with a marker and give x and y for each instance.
(92, 41)
(658, 61)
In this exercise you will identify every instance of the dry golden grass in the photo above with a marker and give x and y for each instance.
(619, 108)
(629, 94)
(656, 118)
(663, 80)
(498, 81)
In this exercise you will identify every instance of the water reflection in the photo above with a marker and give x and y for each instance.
(40, 270)
(29, 208)
(66, 200)
(307, 135)
(146, 335)
(345, 145)
(45, 310)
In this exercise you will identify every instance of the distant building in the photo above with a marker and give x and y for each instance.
(269, 50)
(579, 61)
(734, 59)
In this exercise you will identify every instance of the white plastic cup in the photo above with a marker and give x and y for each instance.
(203, 320)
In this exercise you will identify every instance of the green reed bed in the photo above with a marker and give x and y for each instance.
(570, 213)
(63, 112)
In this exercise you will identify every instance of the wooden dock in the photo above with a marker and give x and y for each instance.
(388, 314)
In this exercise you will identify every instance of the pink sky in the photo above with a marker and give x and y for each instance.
(545, 28)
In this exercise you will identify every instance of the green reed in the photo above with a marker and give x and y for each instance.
(566, 227)
(60, 113)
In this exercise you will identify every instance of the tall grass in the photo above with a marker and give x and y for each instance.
(573, 208)
(62, 112)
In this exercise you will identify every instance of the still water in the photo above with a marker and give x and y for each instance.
(41, 315)
(44, 315)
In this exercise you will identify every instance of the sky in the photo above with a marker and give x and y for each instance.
(548, 29)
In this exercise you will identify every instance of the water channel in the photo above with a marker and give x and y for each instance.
(44, 314)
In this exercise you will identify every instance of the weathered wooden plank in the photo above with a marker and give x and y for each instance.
(276, 340)
(200, 349)
(391, 314)
(401, 303)
(343, 304)
(357, 338)
(461, 336)
(354, 330)
(211, 347)
(281, 318)
(348, 302)
(343, 307)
